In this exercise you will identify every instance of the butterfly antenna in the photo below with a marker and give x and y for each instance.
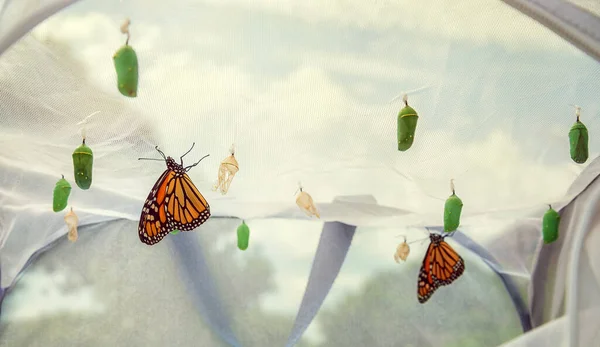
(419, 240)
(184, 154)
(161, 153)
(187, 168)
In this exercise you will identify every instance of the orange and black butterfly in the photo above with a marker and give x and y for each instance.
(441, 266)
(174, 203)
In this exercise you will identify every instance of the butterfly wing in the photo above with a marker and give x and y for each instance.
(154, 223)
(186, 208)
(426, 286)
(447, 265)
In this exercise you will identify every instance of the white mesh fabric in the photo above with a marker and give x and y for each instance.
(303, 93)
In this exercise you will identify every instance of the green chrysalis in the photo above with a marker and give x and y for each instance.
(550, 224)
(62, 189)
(578, 140)
(175, 232)
(452, 210)
(126, 65)
(243, 235)
(83, 160)
(407, 124)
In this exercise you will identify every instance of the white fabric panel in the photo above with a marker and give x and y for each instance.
(493, 110)
(573, 23)
(17, 17)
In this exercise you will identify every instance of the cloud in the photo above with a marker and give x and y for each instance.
(478, 22)
(42, 294)
(305, 123)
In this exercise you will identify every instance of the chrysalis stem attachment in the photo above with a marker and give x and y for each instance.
(405, 99)
(125, 29)
(577, 110)
(232, 149)
(84, 122)
(299, 188)
(452, 186)
(402, 236)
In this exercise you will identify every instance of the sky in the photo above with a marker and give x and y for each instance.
(305, 92)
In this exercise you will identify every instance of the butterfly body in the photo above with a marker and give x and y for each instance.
(174, 203)
(440, 267)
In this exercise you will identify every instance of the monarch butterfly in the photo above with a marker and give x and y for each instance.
(174, 203)
(578, 140)
(83, 161)
(126, 65)
(452, 210)
(62, 189)
(243, 235)
(407, 124)
(550, 224)
(441, 266)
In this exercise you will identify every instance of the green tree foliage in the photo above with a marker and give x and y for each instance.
(475, 311)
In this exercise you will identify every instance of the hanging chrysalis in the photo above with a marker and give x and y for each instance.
(407, 124)
(402, 251)
(72, 221)
(550, 224)
(175, 232)
(83, 161)
(306, 204)
(578, 140)
(227, 170)
(126, 65)
(62, 190)
(243, 236)
(452, 210)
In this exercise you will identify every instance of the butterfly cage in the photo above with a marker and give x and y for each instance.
(291, 173)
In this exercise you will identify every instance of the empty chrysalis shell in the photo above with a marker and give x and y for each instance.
(550, 225)
(578, 141)
(72, 221)
(227, 170)
(126, 65)
(243, 236)
(83, 162)
(452, 210)
(62, 190)
(402, 252)
(306, 204)
(407, 124)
